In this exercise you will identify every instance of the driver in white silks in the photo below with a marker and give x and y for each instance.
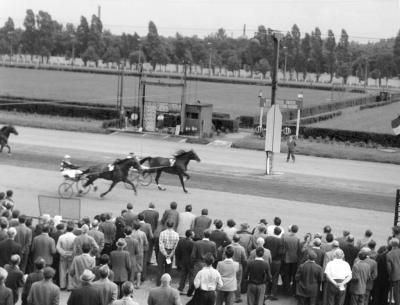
(117, 161)
(68, 169)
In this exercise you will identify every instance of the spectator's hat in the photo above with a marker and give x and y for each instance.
(263, 221)
(365, 250)
(87, 276)
(244, 226)
(121, 243)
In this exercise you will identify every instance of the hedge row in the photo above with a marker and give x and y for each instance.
(316, 118)
(369, 106)
(385, 140)
(59, 108)
(225, 125)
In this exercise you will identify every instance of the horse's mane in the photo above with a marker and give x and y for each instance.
(180, 153)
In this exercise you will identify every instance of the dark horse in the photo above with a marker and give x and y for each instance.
(4, 134)
(117, 174)
(176, 166)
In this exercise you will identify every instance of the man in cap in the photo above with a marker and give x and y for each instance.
(361, 272)
(165, 294)
(86, 293)
(308, 280)
(44, 292)
(120, 261)
(68, 169)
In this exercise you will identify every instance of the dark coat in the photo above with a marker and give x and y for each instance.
(87, 295)
(183, 251)
(201, 223)
(151, 216)
(308, 279)
(8, 248)
(201, 248)
(170, 215)
(275, 245)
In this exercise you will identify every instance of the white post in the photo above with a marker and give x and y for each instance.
(261, 116)
(298, 123)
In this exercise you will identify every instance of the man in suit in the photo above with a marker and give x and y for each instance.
(165, 294)
(146, 228)
(183, 254)
(108, 228)
(85, 293)
(349, 250)
(239, 255)
(151, 217)
(98, 237)
(228, 270)
(258, 274)
(171, 215)
(201, 223)
(308, 280)
(33, 277)
(200, 249)
(129, 215)
(393, 268)
(120, 262)
(79, 264)
(15, 276)
(9, 247)
(44, 292)
(292, 256)
(24, 238)
(44, 246)
(274, 244)
(66, 250)
(85, 238)
(186, 221)
(107, 289)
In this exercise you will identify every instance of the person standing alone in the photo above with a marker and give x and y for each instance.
(291, 145)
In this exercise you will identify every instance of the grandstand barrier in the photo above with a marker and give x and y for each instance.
(68, 208)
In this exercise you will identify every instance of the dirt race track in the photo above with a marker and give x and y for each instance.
(231, 183)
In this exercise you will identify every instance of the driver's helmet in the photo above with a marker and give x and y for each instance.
(67, 157)
(131, 155)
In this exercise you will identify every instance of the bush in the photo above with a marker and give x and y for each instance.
(246, 121)
(220, 115)
(113, 123)
(225, 124)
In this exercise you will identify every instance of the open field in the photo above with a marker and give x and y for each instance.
(376, 119)
(98, 88)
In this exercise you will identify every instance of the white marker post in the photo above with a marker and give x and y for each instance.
(299, 106)
(262, 105)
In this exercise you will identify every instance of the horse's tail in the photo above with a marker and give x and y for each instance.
(144, 160)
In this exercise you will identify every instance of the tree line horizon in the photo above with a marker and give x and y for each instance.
(300, 54)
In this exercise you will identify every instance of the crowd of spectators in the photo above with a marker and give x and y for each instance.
(103, 260)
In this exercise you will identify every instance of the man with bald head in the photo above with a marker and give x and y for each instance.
(9, 247)
(393, 268)
(165, 294)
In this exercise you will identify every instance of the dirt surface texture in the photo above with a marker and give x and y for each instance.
(231, 183)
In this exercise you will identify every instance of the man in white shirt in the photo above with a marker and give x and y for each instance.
(338, 274)
(277, 223)
(207, 280)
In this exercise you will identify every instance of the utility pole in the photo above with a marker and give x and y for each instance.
(183, 99)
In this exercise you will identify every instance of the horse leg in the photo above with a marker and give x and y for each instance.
(1, 148)
(186, 176)
(9, 149)
(156, 179)
(182, 182)
(126, 180)
(110, 188)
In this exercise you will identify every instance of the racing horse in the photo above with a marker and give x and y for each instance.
(176, 166)
(119, 172)
(4, 134)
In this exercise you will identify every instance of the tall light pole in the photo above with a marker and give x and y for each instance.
(284, 71)
(73, 49)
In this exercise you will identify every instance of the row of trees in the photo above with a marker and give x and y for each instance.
(311, 52)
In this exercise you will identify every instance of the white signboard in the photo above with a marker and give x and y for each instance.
(274, 129)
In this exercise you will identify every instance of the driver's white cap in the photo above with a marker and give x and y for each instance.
(67, 157)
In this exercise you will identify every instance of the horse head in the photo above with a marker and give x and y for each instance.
(133, 162)
(193, 155)
(12, 129)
